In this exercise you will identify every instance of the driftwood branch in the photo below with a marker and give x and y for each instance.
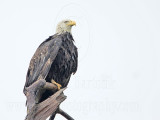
(49, 107)
(64, 114)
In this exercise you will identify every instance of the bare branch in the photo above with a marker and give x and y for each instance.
(41, 111)
(64, 114)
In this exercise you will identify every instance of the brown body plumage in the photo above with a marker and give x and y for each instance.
(55, 59)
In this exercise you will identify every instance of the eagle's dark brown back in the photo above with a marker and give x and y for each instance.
(56, 58)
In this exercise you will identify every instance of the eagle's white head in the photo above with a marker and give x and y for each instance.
(65, 26)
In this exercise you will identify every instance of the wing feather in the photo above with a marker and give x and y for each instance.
(42, 60)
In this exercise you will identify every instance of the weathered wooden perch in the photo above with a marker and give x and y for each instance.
(49, 107)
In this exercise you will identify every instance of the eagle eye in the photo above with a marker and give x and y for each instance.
(65, 21)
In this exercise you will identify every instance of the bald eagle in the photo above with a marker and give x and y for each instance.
(54, 60)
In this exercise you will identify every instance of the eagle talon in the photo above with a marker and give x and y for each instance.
(58, 85)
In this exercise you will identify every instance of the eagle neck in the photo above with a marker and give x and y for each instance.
(67, 36)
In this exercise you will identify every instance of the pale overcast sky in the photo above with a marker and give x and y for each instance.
(118, 77)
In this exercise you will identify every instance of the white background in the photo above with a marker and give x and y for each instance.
(118, 77)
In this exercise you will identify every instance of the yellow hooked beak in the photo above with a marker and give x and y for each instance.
(71, 23)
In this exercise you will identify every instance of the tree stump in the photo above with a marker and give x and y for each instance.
(49, 107)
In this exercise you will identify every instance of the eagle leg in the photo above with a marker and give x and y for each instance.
(58, 85)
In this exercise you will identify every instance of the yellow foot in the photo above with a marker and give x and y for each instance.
(58, 85)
